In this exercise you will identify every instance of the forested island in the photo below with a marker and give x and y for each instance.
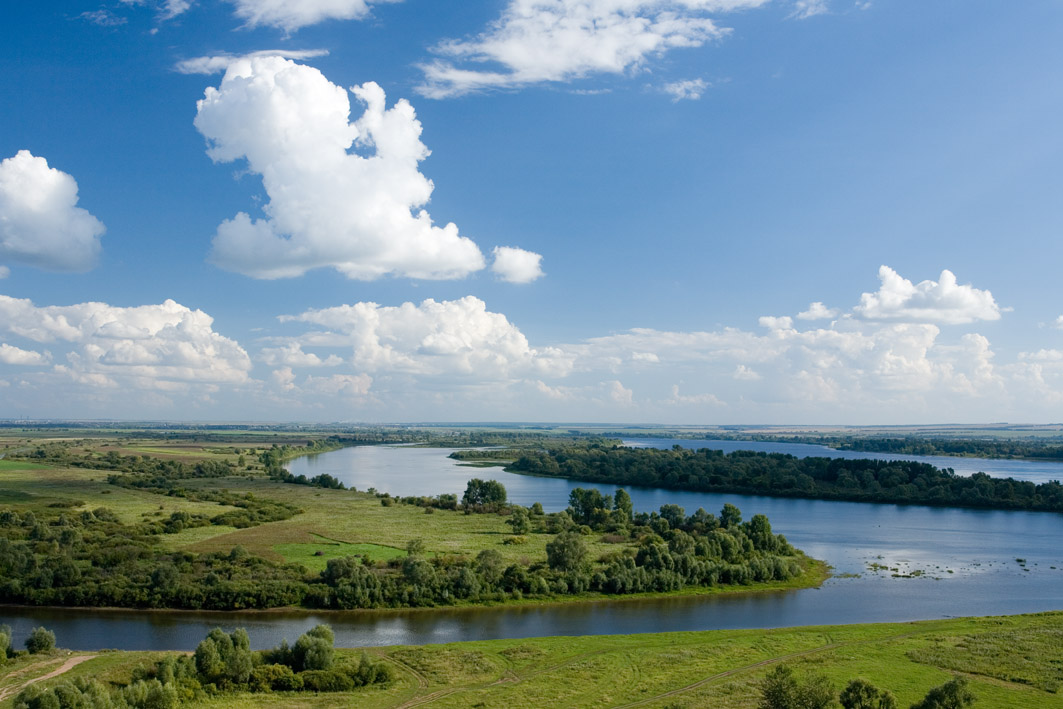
(782, 475)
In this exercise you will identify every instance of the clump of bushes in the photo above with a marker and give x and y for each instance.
(222, 663)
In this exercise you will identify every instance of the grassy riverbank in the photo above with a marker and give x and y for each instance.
(1011, 661)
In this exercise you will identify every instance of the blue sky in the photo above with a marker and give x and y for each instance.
(676, 211)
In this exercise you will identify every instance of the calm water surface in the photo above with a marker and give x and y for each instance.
(966, 561)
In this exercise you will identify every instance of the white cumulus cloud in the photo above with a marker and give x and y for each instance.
(943, 301)
(516, 265)
(818, 311)
(166, 346)
(772, 322)
(18, 356)
(537, 41)
(292, 355)
(328, 207)
(457, 338)
(40, 222)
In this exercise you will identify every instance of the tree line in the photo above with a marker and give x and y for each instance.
(782, 475)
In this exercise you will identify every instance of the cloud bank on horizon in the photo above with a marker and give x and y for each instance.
(463, 358)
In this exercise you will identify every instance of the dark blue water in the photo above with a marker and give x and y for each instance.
(964, 561)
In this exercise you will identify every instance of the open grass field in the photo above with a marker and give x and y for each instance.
(1011, 662)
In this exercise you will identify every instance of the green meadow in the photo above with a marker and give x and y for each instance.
(1010, 662)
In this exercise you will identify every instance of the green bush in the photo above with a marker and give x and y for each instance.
(278, 678)
(40, 640)
(326, 681)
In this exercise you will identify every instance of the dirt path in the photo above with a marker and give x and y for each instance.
(71, 663)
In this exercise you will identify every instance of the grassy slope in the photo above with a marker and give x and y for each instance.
(1013, 661)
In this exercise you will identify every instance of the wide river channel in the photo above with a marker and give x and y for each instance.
(891, 563)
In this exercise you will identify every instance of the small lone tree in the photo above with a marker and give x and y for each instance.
(519, 521)
(484, 493)
(40, 640)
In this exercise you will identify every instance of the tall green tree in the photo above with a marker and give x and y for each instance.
(566, 552)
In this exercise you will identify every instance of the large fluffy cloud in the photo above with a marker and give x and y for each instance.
(167, 346)
(457, 338)
(328, 207)
(942, 301)
(40, 222)
(537, 41)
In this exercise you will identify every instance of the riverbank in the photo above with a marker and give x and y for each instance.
(1010, 662)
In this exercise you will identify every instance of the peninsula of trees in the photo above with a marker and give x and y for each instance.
(81, 552)
(781, 475)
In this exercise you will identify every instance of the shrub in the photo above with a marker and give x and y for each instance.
(278, 678)
(326, 681)
(40, 640)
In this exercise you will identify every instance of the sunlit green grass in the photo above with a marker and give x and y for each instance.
(315, 556)
(1009, 661)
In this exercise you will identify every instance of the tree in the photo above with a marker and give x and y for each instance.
(622, 504)
(675, 515)
(954, 694)
(313, 650)
(781, 690)
(40, 640)
(730, 516)
(566, 551)
(861, 694)
(585, 502)
(778, 688)
(519, 521)
(484, 492)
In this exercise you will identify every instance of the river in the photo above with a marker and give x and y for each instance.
(935, 563)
